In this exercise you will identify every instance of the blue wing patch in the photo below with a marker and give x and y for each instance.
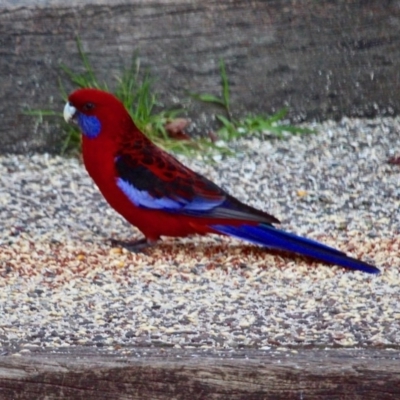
(142, 198)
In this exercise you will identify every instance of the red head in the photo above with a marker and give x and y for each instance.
(99, 114)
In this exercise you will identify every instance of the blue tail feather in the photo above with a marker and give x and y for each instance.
(269, 236)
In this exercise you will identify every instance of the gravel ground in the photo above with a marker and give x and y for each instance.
(63, 284)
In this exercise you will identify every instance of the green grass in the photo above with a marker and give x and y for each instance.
(134, 89)
(224, 99)
(232, 129)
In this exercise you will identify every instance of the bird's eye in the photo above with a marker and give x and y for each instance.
(88, 107)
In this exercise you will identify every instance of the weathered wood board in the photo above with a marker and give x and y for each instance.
(321, 59)
(178, 374)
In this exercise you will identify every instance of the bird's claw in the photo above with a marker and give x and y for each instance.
(136, 246)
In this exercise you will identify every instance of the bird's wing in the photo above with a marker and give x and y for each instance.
(153, 179)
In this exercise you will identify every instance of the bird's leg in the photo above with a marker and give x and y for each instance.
(136, 246)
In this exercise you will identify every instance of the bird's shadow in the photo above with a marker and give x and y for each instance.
(211, 249)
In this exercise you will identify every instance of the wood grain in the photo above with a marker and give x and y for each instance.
(160, 374)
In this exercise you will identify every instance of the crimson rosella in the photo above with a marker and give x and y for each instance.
(160, 196)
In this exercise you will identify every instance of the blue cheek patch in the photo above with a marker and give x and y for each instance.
(89, 125)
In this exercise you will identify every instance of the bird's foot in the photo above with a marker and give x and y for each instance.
(134, 247)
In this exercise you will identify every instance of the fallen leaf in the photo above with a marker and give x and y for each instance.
(213, 136)
(175, 129)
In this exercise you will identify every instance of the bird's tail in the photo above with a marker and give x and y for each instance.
(269, 236)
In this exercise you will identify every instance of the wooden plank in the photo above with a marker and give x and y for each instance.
(320, 58)
(186, 374)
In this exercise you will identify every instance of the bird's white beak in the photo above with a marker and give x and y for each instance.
(69, 112)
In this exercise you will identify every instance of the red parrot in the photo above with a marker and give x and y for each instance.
(160, 196)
